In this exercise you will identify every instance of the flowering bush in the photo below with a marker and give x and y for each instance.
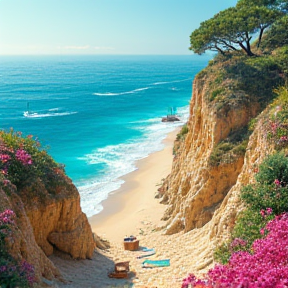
(263, 200)
(278, 122)
(23, 157)
(266, 267)
(22, 160)
(248, 228)
(271, 188)
(12, 273)
(256, 256)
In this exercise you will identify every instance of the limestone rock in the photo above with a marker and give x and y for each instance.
(195, 189)
(47, 219)
(22, 244)
(58, 220)
(203, 200)
(102, 244)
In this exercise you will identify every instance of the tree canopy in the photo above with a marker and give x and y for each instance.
(233, 28)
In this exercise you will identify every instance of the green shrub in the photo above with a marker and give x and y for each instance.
(22, 160)
(181, 135)
(230, 149)
(277, 35)
(277, 124)
(215, 93)
(271, 188)
(275, 166)
(252, 124)
(263, 200)
(248, 226)
(222, 253)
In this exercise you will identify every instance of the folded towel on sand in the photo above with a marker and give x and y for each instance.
(145, 249)
(148, 252)
(155, 263)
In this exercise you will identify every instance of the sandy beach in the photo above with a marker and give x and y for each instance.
(134, 203)
(133, 210)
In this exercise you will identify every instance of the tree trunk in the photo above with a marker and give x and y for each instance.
(244, 48)
(249, 52)
(260, 37)
(219, 50)
(229, 45)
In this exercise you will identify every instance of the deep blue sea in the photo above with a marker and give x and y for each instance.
(97, 114)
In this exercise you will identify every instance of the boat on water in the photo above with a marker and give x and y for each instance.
(171, 116)
(28, 112)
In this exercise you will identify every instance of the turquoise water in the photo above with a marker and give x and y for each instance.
(97, 114)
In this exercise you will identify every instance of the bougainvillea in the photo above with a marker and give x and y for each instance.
(22, 160)
(266, 267)
(277, 125)
(7, 217)
(22, 156)
(12, 272)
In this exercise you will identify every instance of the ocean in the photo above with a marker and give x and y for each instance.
(97, 115)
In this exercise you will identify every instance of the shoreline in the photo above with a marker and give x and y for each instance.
(134, 210)
(134, 204)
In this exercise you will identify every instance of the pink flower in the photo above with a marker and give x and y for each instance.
(262, 212)
(7, 217)
(277, 182)
(23, 157)
(269, 211)
(238, 242)
(267, 267)
(274, 127)
(4, 158)
(6, 182)
(4, 171)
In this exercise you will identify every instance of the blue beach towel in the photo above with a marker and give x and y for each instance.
(150, 253)
(145, 249)
(155, 263)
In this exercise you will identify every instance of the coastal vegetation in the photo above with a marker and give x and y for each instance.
(13, 273)
(180, 139)
(254, 255)
(230, 149)
(235, 27)
(240, 80)
(23, 166)
(23, 161)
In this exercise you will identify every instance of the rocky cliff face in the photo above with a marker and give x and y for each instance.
(21, 243)
(47, 221)
(203, 199)
(57, 219)
(195, 189)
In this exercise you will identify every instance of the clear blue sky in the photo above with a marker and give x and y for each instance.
(102, 26)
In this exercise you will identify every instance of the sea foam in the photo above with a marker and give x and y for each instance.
(121, 159)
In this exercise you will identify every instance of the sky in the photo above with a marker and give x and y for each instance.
(149, 27)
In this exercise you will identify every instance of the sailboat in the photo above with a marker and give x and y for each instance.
(28, 113)
(171, 116)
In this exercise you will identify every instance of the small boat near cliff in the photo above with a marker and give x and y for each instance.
(171, 116)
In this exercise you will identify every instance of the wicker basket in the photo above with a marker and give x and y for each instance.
(122, 267)
(131, 245)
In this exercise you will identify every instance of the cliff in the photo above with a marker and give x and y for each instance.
(46, 204)
(57, 219)
(219, 154)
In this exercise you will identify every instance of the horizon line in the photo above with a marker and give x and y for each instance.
(64, 55)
